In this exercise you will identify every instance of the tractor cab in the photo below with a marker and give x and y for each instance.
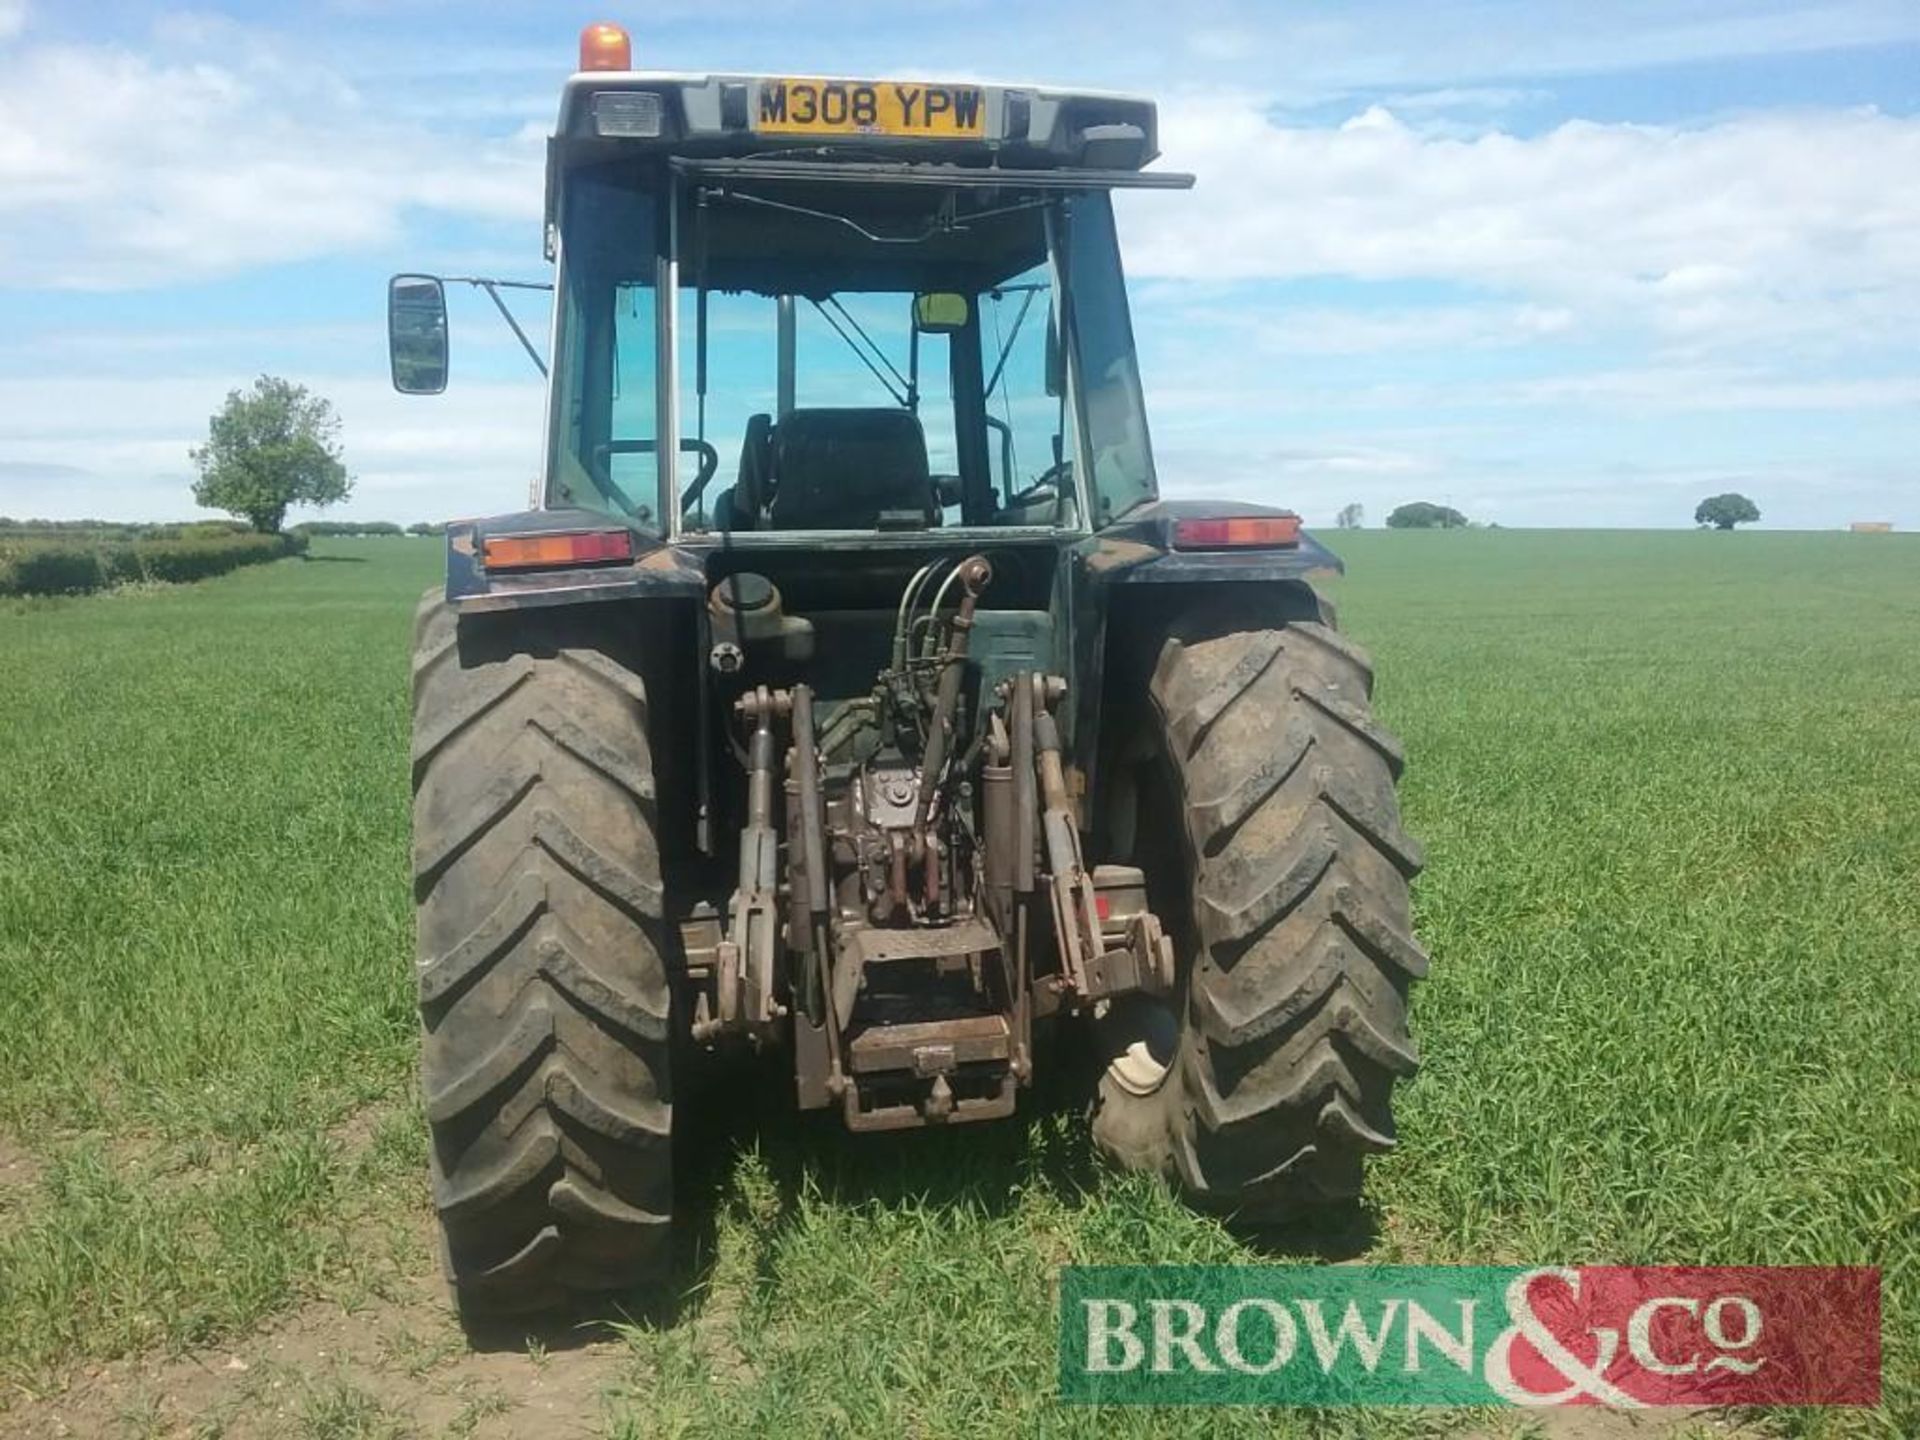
(792, 306)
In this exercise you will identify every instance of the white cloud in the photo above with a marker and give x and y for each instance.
(1455, 97)
(13, 18)
(1312, 53)
(1189, 390)
(472, 451)
(1792, 492)
(1661, 388)
(1337, 330)
(118, 169)
(1776, 223)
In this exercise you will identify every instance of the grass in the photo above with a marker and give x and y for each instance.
(203, 945)
(1666, 783)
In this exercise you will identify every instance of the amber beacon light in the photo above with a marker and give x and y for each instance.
(605, 47)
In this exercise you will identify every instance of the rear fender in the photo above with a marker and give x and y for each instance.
(1135, 587)
(1148, 584)
(1138, 549)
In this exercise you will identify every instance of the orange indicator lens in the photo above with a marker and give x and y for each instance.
(1235, 532)
(548, 552)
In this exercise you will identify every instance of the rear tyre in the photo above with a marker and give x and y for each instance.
(543, 994)
(1271, 1083)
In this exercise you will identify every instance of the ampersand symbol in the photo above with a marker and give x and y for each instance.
(1582, 1379)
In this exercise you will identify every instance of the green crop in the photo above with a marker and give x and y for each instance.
(1667, 784)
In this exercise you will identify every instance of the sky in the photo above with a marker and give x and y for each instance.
(1550, 263)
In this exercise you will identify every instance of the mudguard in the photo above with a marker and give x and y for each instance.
(1138, 549)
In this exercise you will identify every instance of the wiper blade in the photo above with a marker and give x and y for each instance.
(900, 396)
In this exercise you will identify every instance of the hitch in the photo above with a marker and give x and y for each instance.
(1105, 950)
(895, 927)
(745, 960)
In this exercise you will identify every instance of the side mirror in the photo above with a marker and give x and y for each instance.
(940, 313)
(1056, 359)
(417, 334)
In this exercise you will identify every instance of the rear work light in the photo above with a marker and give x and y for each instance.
(1237, 532)
(550, 552)
(605, 47)
(626, 114)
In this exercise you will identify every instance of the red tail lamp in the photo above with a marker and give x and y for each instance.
(605, 47)
(556, 551)
(1237, 532)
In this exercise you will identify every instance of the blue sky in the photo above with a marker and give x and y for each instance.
(1556, 264)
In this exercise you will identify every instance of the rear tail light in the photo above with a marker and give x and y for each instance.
(562, 548)
(1237, 532)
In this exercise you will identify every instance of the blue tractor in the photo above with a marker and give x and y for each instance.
(850, 693)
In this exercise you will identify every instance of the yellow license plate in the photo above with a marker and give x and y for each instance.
(870, 107)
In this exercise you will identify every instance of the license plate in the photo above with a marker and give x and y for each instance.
(870, 107)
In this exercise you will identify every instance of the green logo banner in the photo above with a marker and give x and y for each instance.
(1276, 1335)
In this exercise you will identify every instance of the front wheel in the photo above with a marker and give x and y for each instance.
(1270, 1082)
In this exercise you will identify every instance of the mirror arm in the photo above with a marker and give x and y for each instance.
(493, 289)
(493, 294)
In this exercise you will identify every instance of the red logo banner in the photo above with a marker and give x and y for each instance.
(1690, 1335)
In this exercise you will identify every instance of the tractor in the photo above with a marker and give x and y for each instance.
(850, 695)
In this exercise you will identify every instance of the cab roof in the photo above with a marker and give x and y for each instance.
(722, 116)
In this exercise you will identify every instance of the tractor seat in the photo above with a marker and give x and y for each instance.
(845, 469)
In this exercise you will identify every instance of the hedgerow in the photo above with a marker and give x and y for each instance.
(333, 528)
(104, 530)
(76, 564)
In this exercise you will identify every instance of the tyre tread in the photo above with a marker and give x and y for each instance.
(543, 993)
(1295, 1023)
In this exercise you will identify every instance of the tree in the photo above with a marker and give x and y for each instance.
(1351, 516)
(274, 446)
(1425, 515)
(1723, 512)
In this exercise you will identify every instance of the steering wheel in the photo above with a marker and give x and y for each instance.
(1046, 485)
(709, 463)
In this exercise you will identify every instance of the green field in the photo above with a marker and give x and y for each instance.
(1667, 783)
